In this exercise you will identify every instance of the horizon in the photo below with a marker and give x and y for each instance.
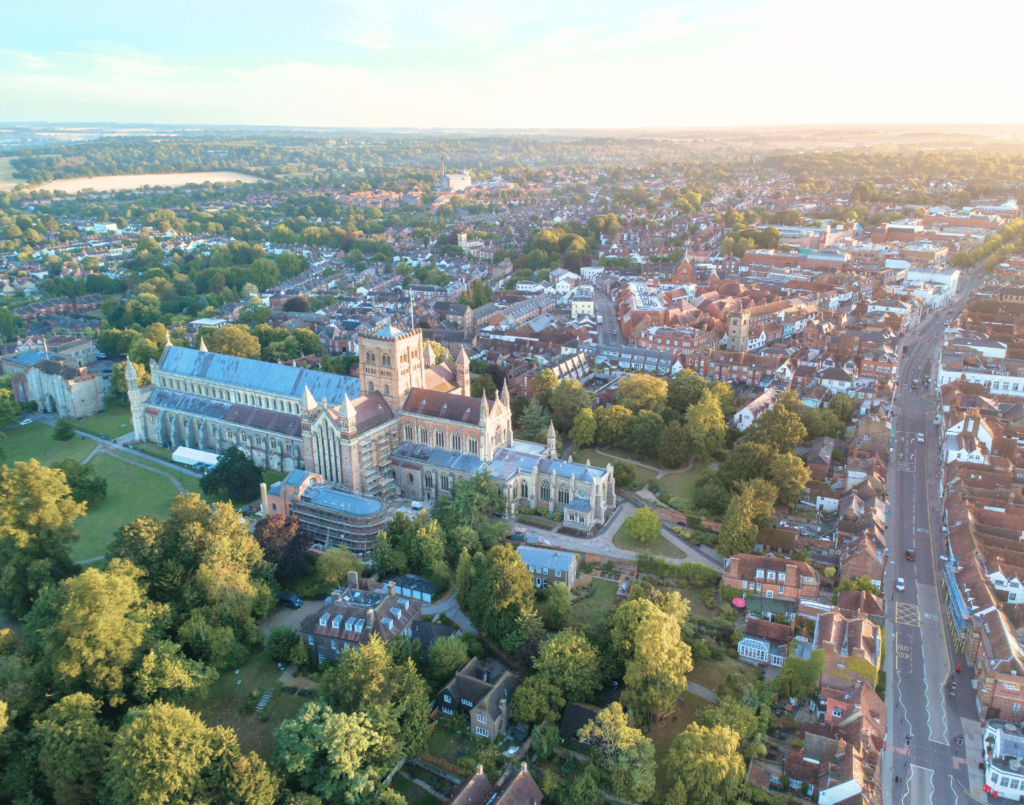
(464, 66)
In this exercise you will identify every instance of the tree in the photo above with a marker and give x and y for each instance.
(570, 662)
(143, 350)
(236, 474)
(64, 429)
(232, 339)
(538, 699)
(296, 304)
(465, 580)
(281, 643)
(118, 392)
(584, 428)
(445, 656)
(625, 754)
(778, 427)
(567, 400)
(645, 432)
(737, 716)
(790, 476)
(625, 475)
(748, 511)
(161, 755)
(842, 407)
(73, 748)
(278, 535)
(643, 525)
(534, 421)
(503, 589)
(705, 428)
(704, 766)
(441, 353)
(333, 567)
(612, 424)
(9, 408)
(672, 450)
(84, 482)
(642, 392)
(36, 533)
(254, 313)
(556, 610)
(96, 637)
(656, 673)
(861, 584)
(544, 382)
(546, 740)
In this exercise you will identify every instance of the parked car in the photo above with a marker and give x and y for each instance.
(289, 600)
(26, 422)
(900, 585)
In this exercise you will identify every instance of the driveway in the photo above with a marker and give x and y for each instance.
(286, 616)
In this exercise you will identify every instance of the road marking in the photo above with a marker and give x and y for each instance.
(907, 614)
(908, 466)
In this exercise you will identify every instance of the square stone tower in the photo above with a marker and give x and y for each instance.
(391, 362)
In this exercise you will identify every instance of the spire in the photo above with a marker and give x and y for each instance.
(308, 401)
(462, 359)
(168, 333)
(504, 393)
(428, 355)
(130, 372)
(552, 450)
(202, 345)
(484, 410)
(348, 408)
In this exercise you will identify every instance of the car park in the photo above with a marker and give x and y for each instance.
(901, 585)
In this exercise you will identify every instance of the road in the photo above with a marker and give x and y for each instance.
(608, 331)
(924, 721)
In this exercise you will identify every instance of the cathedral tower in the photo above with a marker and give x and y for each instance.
(131, 377)
(391, 362)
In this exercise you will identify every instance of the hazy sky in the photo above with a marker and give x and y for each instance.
(527, 63)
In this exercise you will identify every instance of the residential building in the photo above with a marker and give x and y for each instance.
(548, 567)
(484, 692)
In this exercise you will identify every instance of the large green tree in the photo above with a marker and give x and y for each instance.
(644, 525)
(232, 339)
(36, 534)
(685, 389)
(705, 767)
(584, 428)
(235, 474)
(569, 661)
(778, 427)
(705, 428)
(748, 511)
(625, 754)
(85, 483)
(642, 392)
(612, 424)
(502, 590)
(73, 748)
(567, 400)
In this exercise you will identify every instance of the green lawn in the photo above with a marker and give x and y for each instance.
(114, 422)
(681, 484)
(131, 492)
(643, 474)
(659, 547)
(712, 673)
(36, 441)
(223, 705)
(414, 795)
(446, 745)
(153, 450)
(664, 732)
(591, 610)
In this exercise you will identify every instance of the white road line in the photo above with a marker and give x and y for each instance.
(907, 781)
(952, 786)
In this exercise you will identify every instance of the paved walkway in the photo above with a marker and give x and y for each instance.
(660, 473)
(702, 691)
(450, 607)
(112, 446)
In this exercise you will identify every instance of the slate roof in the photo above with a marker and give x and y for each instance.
(556, 560)
(441, 405)
(273, 421)
(270, 378)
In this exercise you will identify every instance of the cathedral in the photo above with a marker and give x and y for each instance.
(406, 427)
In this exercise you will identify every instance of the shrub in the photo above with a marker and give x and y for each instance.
(664, 497)
(280, 642)
(474, 647)
(732, 653)
(586, 567)
(558, 517)
(252, 700)
(693, 520)
(609, 566)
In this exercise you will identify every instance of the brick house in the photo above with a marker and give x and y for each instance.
(547, 567)
(852, 647)
(482, 692)
(350, 617)
(769, 583)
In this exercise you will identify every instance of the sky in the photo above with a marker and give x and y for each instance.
(545, 64)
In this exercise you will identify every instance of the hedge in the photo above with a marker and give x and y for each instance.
(689, 574)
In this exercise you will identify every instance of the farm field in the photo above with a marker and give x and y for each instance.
(7, 179)
(134, 182)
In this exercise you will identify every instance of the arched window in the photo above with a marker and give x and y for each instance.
(423, 436)
(563, 494)
(387, 390)
(438, 438)
(408, 432)
(373, 358)
(524, 490)
(428, 480)
(456, 442)
(474, 450)
(371, 385)
(446, 483)
(545, 490)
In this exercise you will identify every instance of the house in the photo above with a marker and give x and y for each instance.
(819, 460)
(765, 642)
(852, 648)
(482, 691)
(549, 566)
(575, 718)
(769, 583)
(428, 631)
(517, 789)
(1004, 774)
(350, 617)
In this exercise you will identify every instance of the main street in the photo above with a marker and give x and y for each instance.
(924, 723)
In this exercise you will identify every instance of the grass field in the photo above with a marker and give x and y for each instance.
(131, 492)
(23, 442)
(414, 795)
(593, 609)
(7, 179)
(223, 705)
(712, 673)
(681, 484)
(664, 732)
(114, 422)
(642, 473)
(659, 547)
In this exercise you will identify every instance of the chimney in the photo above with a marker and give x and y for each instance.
(391, 588)
(353, 579)
(265, 506)
(369, 618)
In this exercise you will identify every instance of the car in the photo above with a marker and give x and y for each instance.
(101, 355)
(911, 555)
(901, 585)
(289, 600)
(26, 422)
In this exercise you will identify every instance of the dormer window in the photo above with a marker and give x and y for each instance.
(759, 574)
(336, 624)
(325, 618)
